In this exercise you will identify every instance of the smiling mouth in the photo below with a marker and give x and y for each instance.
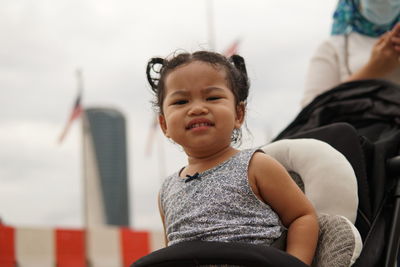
(199, 125)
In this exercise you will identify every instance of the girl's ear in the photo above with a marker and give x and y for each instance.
(240, 113)
(163, 124)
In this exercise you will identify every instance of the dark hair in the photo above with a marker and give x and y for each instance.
(234, 66)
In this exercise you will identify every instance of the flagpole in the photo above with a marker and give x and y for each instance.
(210, 24)
(77, 108)
(79, 80)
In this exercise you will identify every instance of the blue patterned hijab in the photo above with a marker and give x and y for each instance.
(347, 18)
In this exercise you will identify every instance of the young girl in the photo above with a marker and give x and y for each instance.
(222, 194)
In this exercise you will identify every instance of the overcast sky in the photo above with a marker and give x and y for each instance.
(44, 42)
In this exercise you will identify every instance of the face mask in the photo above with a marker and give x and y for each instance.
(380, 12)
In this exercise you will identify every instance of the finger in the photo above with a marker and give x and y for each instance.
(390, 38)
(384, 42)
(395, 40)
(382, 38)
(396, 30)
(385, 35)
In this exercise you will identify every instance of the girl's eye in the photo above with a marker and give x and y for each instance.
(212, 98)
(180, 102)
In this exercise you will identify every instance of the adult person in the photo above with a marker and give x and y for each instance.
(365, 44)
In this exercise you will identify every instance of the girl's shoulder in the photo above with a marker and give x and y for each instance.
(262, 164)
(259, 157)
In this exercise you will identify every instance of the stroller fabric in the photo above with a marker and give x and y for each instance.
(372, 109)
(202, 253)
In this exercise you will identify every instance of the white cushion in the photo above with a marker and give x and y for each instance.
(329, 180)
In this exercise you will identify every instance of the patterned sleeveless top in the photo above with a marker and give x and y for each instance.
(219, 205)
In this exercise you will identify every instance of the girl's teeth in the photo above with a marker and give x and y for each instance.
(199, 125)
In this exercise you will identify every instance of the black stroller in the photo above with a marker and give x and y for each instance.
(361, 120)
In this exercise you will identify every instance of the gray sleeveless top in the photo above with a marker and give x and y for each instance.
(219, 205)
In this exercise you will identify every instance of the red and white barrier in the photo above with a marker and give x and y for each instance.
(94, 247)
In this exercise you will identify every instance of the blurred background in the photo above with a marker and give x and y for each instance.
(44, 42)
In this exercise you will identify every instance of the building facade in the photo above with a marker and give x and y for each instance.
(105, 167)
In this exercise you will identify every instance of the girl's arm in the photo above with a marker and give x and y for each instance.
(272, 183)
(163, 220)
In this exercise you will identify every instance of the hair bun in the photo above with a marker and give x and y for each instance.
(241, 80)
(238, 61)
(153, 70)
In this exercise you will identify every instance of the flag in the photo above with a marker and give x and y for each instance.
(233, 49)
(77, 109)
(151, 136)
(76, 112)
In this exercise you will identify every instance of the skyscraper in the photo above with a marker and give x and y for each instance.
(105, 167)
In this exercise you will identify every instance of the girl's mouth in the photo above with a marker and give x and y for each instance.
(199, 123)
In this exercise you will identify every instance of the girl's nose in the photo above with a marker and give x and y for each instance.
(197, 109)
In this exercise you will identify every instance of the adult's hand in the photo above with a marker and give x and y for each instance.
(384, 57)
(396, 38)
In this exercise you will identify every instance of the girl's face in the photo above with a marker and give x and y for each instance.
(199, 108)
